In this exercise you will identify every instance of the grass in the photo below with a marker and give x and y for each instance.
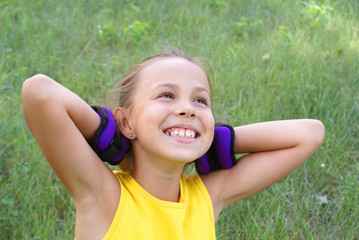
(271, 59)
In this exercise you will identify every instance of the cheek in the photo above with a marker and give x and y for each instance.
(209, 119)
(208, 123)
(145, 115)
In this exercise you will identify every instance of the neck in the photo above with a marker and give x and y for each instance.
(160, 183)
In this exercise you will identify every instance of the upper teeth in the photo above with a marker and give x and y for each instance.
(183, 133)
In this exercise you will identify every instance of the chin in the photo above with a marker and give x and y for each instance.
(183, 157)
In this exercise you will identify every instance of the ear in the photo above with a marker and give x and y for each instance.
(122, 121)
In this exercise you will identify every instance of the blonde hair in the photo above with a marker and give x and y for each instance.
(127, 86)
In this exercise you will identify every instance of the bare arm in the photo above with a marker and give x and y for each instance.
(61, 123)
(275, 149)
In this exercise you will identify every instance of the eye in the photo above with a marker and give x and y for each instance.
(166, 95)
(201, 101)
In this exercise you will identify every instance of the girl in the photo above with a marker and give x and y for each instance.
(165, 112)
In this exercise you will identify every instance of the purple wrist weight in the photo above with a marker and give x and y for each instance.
(221, 153)
(110, 145)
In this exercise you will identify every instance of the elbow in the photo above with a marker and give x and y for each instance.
(36, 93)
(316, 131)
(35, 88)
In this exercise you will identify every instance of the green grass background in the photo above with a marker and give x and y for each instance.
(272, 59)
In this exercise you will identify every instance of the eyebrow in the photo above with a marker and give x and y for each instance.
(171, 85)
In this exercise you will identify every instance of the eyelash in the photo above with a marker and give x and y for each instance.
(165, 94)
(203, 101)
(171, 95)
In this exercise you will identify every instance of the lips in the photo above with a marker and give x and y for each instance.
(181, 132)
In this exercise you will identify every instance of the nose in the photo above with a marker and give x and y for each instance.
(186, 110)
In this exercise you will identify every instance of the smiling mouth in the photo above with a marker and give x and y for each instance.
(181, 133)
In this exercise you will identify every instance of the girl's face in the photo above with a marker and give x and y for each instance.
(171, 113)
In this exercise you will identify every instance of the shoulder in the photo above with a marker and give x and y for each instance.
(192, 187)
(122, 176)
(192, 181)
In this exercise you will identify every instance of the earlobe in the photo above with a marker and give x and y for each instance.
(131, 136)
(123, 123)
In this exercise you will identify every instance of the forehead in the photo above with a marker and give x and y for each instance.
(173, 70)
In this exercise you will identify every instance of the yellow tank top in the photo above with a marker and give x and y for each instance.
(142, 216)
